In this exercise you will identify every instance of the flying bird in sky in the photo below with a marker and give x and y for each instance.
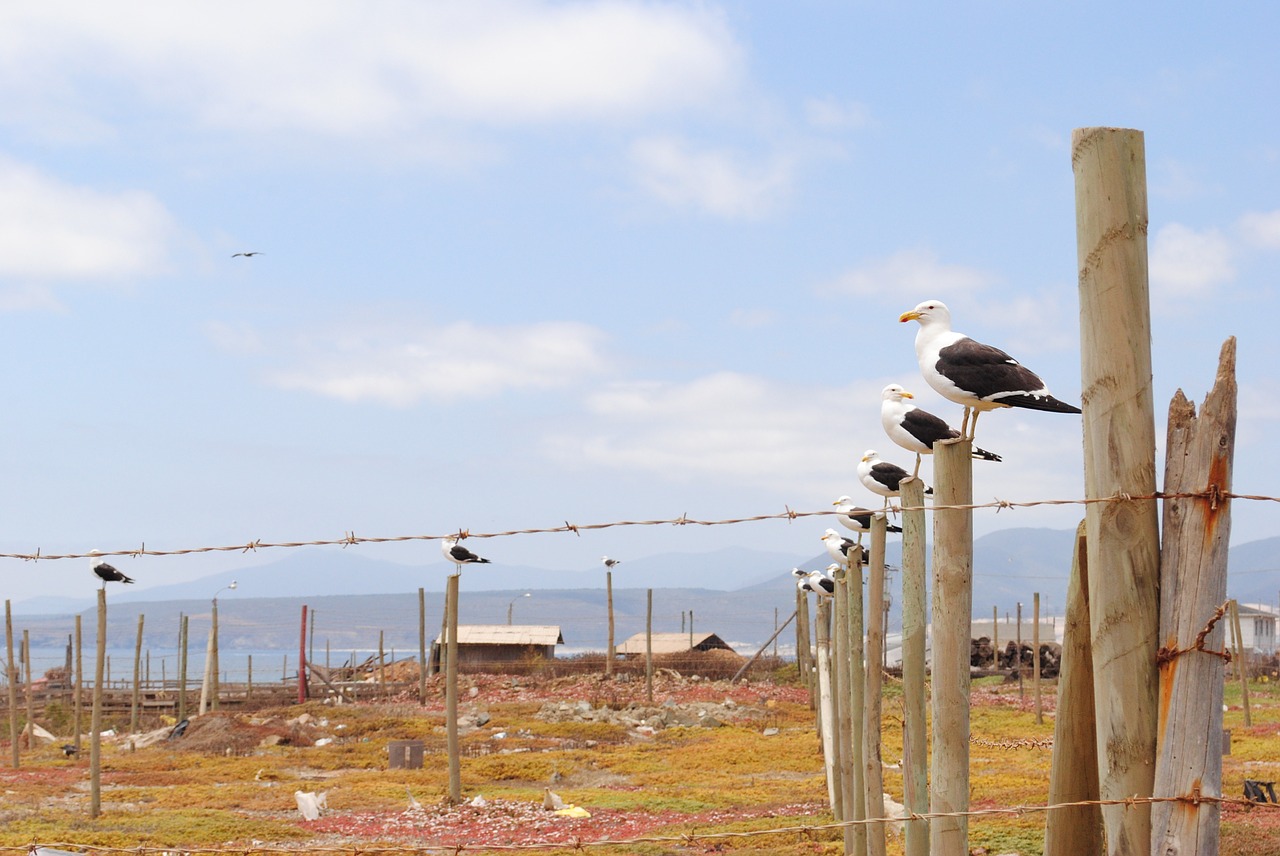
(917, 430)
(459, 555)
(107, 573)
(247, 255)
(979, 377)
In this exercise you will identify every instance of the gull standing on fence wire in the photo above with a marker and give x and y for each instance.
(917, 430)
(979, 377)
(107, 573)
(882, 477)
(460, 555)
(857, 518)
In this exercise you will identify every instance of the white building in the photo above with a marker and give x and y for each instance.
(1257, 628)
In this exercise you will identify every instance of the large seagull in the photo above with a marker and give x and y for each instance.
(979, 377)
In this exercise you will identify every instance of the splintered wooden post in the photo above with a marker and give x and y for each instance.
(840, 699)
(915, 749)
(1193, 585)
(95, 719)
(1119, 462)
(857, 691)
(872, 766)
(952, 611)
(1073, 774)
(827, 719)
(451, 688)
(11, 678)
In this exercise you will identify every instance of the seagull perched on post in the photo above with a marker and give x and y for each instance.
(979, 377)
(882, 477)
(917, 430)
(814, 581)
(459, 555)
(857, 518)
(609, 563)
(107, 573)
(838, 547)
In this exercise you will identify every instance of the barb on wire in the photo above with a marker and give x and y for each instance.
(1167, 654)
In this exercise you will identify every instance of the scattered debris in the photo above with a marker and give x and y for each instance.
(311, 806)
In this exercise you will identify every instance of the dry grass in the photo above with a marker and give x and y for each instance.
(231, 785)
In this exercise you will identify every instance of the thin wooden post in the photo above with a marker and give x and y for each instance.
(1193, 582)
(952, 612)
(857, 700)
(1119, 457)
(311, 640)
(95, 721)
(648, 649)
(1241, 659)
(1018, 638)
(915, 747)
(78, 721)
(302, 657)
(840, 699)
(1035, 655)
(137, 678)
(29, 732)
(248, 691)
(422, 646)
(382, 665)
(1073, 774)
(773, 640)
(11, 678)
(184, 626)
(995, 637)
(872, 755)
(829, 750)
(611, 651)
(451, 688)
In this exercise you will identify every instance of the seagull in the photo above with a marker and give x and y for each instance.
(247, 255)
(609, 563)
(814, 581)
(857, 518)
(838, 547)
(107, 573)
(979, 377)
(917, 430)
(69, 750)
(882, 477)
(460, 555)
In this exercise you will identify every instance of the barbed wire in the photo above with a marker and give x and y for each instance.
(349, 539)
(1195, 799)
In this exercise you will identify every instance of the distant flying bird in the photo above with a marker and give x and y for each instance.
(882, 477)
(107, 573)
(917, 430)
(247, 255)
(609, 563)
(857, 518)
(460, 555)
(979, 377)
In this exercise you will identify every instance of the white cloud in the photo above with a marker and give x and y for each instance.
(30, 298)
(909, 272)
(1261, 229)
(347, 69)
(399, 364)
(1187, 263)
(716, 181)
(50, 229)
(831, 114)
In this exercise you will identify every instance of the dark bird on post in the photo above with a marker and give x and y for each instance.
(979, 377)
(460, 555)
(107, 573)
(610, 563)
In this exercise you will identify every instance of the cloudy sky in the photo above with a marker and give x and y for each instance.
(525, 263)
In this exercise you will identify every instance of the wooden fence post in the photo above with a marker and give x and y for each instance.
(915, 748)
(1241, 661)
(1035, 656)
(857, 701)
(610, 652)
(1193, 572)
(840, 694)
(137, 679)
(451, 688)
(827, 713)
(952, 617)
(648, 650)
(11, 678)
(1119, 458)
(872, 758)
(1073, 773)
(302, 658)
(422, 646)
(78, 721)
(95, 720)
(29, 733)
(184, 626)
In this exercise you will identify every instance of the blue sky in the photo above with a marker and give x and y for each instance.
(528, 262)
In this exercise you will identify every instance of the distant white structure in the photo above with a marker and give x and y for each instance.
(1257, 628)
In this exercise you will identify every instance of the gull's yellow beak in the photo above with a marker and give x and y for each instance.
(909, 316)
(906, 394)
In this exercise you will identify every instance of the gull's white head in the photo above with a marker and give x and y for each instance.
(928, 313)
(894, 392)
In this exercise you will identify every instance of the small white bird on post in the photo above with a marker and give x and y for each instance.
(459, 555)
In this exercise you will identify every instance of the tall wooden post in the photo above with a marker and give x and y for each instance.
(648, 650)
(95, 720)
(422, 646)
(995, 637)
(915, 748)
(1241, 660)
(1035, 655)
(29, 733)
(872, 756)
(248, 688)
(952, 612)
(451, 687)
(1073, 775)
(1193, 582)
(78, 720)
(302, 658)
(137, 678)
(611, 652)
(840, 700)
(857, 701)
(382, 665)
(184, 626)
(11, 678)
(829, 748)
(1119, 461)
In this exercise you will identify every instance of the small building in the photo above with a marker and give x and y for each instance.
(501, 647)
(1257, 629)
(672, 643)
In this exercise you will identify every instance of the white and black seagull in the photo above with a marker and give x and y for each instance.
(459, 555)
(838, 547)
(610, 563)
(917, 430)
(979, 377)
(857, 518)
(815, 582)
(882, 477)
(107, 573)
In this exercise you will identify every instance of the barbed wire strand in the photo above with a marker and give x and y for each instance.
(350, 539)
(1194, 799)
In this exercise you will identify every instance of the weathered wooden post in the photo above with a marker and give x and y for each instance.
(1241, 661)
(611, 652)
(915, 748)
(137, 678)
(1073, 774)
(422, 646)
(29, 733)
(648, 650)
(952, 617)
(1193, 571)
(1119, 463)
(825, 704)
(1035, 656)
(78, 720)
(856, 701)
(11, 678)
(840, 698)
(872, 763)
(183, 628)
(451, 687)
(95, 720)
(302, 657)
